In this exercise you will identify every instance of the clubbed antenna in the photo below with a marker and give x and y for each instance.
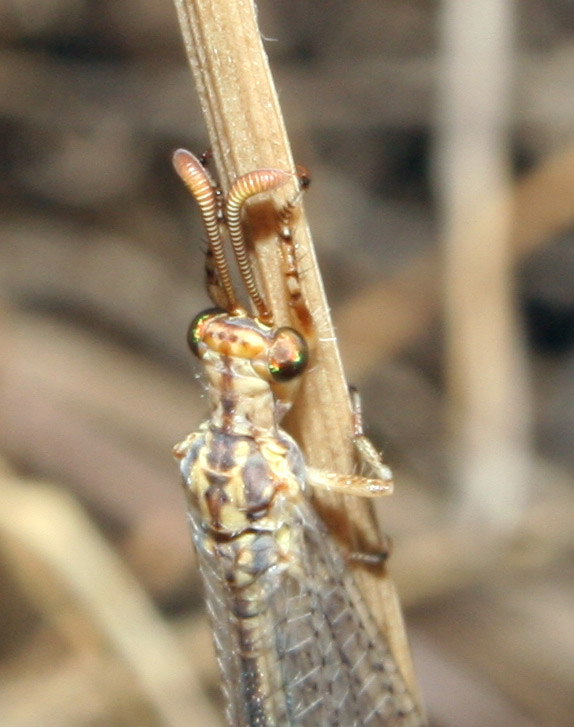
(200, 185)
(246, 186)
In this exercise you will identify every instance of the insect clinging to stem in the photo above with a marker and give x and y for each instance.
(296, 644)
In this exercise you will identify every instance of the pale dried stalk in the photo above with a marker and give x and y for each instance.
(246, 132)
(488, 384)
(76, 581)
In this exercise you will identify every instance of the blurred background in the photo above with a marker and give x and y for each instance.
(440, 138)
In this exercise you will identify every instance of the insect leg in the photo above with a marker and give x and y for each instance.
(213, 283)
(379, 478)
(358, 485)
(303, 319)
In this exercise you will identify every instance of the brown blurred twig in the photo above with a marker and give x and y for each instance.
(542, 204)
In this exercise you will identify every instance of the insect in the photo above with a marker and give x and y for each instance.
(296, 644)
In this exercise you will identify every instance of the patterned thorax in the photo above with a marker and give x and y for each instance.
(238, 483)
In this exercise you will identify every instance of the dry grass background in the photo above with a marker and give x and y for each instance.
(101, 270)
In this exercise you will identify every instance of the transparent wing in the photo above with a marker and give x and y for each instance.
(248, 662)
(336, 669)
(311, 656)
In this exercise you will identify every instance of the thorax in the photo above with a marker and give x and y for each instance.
(237, 483)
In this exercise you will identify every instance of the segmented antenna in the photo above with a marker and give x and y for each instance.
(196, 178)
(203, 189)
(246, 186)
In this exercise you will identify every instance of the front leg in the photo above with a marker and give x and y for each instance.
(378, 481)
(182, 448)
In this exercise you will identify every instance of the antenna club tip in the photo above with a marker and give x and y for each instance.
(182, 160)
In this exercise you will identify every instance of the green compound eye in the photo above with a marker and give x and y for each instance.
(197, 327)
(288, 355)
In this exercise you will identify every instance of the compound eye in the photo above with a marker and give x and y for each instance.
(288, 354)
(197, 327)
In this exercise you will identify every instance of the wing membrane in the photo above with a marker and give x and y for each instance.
(309, 654)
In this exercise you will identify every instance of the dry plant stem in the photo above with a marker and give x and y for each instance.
(246, 131)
